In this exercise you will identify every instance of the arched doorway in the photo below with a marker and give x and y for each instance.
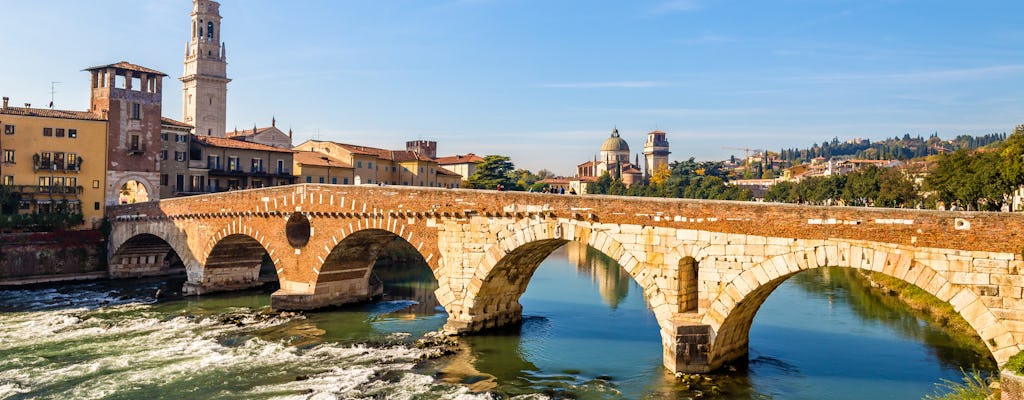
(132, 192)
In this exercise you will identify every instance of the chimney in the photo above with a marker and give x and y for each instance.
(28, 105)
(273, 121)
(6, 99)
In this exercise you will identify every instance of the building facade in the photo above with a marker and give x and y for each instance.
(655, 153)
(205, 81)
(128, 96)
(371, 165)
(175, 167)
(226, 164)
(270, 136)
(612, 159)
(313, 167)
(464, 165)
(54, 158)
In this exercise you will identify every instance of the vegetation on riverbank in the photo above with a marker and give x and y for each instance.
(973, 387)
(931, 309)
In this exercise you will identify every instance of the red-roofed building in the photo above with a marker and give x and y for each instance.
(270, 136)
(373, 165)
(462, 164)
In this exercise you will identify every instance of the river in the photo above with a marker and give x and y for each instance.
(587, 333)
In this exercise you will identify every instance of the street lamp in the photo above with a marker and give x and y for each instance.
(328, 161)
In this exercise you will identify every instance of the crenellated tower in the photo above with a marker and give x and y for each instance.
(205, 82)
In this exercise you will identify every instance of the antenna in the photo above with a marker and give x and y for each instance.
(53, 90)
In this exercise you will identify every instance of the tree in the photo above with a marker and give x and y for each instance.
(494, 170)
(660, 175)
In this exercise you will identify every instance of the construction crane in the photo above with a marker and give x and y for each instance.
(746, 152)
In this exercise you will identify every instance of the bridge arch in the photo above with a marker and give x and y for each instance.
(732, 312)
(232, 261)
(491, 298)
(146, 254)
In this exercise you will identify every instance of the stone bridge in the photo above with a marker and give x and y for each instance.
(705, 266)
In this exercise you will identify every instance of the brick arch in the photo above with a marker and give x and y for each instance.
(168, 233)
(425, 245)
(236, 228)
(732, 312)
(492, 297)
(354, 254)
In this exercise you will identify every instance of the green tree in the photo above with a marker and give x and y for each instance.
(494, 170)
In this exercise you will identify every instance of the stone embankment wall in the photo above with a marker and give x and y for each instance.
(40, 257)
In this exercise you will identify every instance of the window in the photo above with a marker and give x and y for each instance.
(58, 160)
(72, 161)
(8, 180)
(44, 184)
(136, 112)
(180, 138)
(394, 169)
(9, 156)
(47, 131)
(233, 164)
(359, 164)
(213, 162)
(163, 154)
(209, 30)
(163, 179)
(321, 179)
(179, 156)
(345, 181)
(71, 181)
(421, 171)
(164, 136)
(334, 180)
(369, 165)
(280, 166)
(57, 181)
(133, 143)
(8, 129)
(309, 179)
(72, 133)
(198, 183)
(59, 132)
(257, 165)
(95, 205)
(45, 160)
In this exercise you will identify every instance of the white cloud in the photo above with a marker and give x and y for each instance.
(599, 85)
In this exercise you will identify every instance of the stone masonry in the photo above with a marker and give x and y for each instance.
(705, 266)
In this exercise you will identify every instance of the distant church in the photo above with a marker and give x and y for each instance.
(613, 159)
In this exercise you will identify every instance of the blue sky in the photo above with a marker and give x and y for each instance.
(545, 81)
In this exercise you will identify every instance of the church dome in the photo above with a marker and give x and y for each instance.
(615, 143)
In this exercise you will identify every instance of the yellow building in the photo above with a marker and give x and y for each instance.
(313, 167)
(371, 165)
(54, 157)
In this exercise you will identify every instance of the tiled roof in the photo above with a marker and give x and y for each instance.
(236, 144)
(392, 155)
(459, 159)
(168, 121)
(128, 66)
(586, 164)
(48, 113)
(442, 171)
(320, 159)
(247, 132)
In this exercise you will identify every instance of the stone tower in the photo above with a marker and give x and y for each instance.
(129, 97)
(655, 152)
(205, 82)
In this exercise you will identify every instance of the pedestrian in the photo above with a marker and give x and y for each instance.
(561, 190)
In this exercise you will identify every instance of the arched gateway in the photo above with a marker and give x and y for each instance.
(705, 266)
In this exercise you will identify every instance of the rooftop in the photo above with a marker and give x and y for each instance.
(459, 159)
(319, 159)
(48, 113)
(127, 66)
(237, 144)
(172, 122)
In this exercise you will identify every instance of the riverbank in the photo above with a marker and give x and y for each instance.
(28, 258)
(925, 306)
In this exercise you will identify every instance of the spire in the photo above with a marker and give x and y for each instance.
(615, 132)
(223, 51)
(289, 133)
(273, 121)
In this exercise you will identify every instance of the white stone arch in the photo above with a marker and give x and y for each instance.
(543, 237)
(114, 191)
(731, 312)
(123, 232)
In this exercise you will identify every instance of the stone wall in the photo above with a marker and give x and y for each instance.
(48, 257)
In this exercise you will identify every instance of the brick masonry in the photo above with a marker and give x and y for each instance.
(484, 246)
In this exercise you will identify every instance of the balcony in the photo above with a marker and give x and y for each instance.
(40, 164)
(46, 189)
(137, 148)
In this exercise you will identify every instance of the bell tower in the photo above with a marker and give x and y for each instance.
(655, 152)
(205, 81)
